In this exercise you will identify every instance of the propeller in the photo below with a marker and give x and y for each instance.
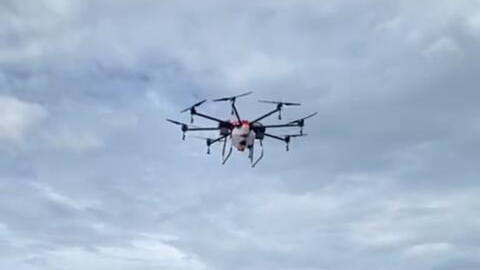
(288, 137)
(301, 121)
(192, 109)
(304, 118)
(175, 122)
(232, 98)
(208, 140)
(193, 106)
(280, 103)
(183, 125)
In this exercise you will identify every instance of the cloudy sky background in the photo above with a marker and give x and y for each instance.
(93, 177)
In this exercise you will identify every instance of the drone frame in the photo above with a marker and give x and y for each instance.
(226, 127)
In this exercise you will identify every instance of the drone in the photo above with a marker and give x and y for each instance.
(242, 133)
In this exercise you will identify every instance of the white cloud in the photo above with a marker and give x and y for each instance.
(473, 22)
(61, 199)
(139, 254)
(18, 118)
(78, 141)
(429, 250)
(257, 66)
(443, 46)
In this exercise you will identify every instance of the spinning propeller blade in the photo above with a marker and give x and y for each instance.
(303, 119)
(176, 122)
(183, 125)
(232, 98)
(195, 105)
(280, 103)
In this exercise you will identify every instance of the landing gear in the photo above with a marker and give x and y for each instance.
(259, 158)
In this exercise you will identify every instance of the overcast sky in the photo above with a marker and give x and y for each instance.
(93, 177)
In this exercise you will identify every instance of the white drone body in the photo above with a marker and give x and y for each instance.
(243, 136)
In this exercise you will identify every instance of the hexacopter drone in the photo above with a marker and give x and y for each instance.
(243, 133)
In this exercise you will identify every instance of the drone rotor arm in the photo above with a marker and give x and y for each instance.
(210, 141)
(285, 138)
(235, 111)
(203, 129)
(266, 115)
(219, 139)
(232, 99)
(276, 137)
(282, 125)
(208, 117)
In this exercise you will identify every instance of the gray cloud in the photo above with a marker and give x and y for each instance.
(91, 176)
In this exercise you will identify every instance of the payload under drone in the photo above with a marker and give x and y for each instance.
(243, 133)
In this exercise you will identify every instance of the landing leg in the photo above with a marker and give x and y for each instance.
(260, 157)
(228, 156)
(224, 146)
(250, 154)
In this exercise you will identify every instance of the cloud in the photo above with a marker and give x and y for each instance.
(387, 177)
(141, 253)
(443, 45)
(74, 140)
(55, 197)
(18, 118)
(433, 249)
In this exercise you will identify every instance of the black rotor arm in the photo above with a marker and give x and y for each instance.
(185, 128)
(213, 141)
(193, 111)
(202, 129)
(235, 111)
(286, 138)
(279, 104)
(279, 108)
(276, 137)
(295, 123)
(232, 100)
(283, 125)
